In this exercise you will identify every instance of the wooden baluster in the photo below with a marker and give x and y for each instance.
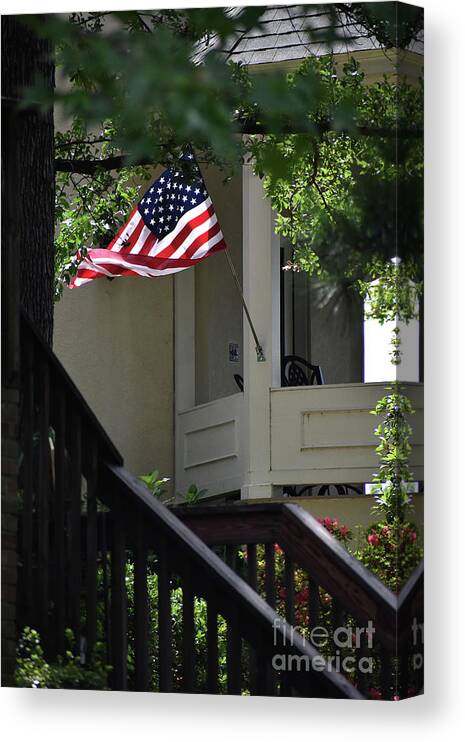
(43, 494)
(141, 611)
(231, 556)
(212, 647)
(337, 615)
(28, 601)
(164, 621)
(118, 605)
(313, 603)
(270, 575)
(105, 584)
(363, 680)
(286, 687)
(60, 524)
(188, 633)
(266, 677)
(289, 585)
(252, 565)
(233, 654)
(252, 580)
(386, 673)
(403, 658)
(91, 597)
(74, 585)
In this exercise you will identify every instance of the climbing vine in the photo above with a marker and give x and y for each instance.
(393, 297)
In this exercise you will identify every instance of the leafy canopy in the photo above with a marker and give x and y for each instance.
(138, 85)
(351, 197)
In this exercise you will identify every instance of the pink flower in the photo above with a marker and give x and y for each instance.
(375, 694)
(412, 536)
(373, 539)
(328, 522)
(343, 531)
(396, 698)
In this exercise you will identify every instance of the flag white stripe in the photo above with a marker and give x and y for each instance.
(146, 232)
(127, 232)
(184, 220)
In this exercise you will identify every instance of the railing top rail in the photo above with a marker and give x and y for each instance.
(227, 586)
(64, 378)
(339, 555)
(311, 546)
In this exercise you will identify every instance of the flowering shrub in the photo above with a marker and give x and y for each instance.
(342, 533)
(391, 552)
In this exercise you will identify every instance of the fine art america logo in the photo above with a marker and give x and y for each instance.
(342, 638)
(350, 644)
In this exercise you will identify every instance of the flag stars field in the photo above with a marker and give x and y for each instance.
(163, 239)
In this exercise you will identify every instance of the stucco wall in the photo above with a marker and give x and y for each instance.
(349, 511)
(115, 339)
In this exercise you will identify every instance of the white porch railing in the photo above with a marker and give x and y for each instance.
(319, 434)
(209, 446)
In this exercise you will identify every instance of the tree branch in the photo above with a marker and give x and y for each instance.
(89, 167)
(117, 162)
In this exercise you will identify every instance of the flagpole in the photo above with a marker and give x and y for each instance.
(258, 348)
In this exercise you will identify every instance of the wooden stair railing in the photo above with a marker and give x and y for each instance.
(353, 595)
(84, 519)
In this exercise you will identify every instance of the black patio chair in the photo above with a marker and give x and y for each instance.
(239, 381)
(296, 371)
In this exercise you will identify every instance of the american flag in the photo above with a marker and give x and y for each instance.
(172, 228)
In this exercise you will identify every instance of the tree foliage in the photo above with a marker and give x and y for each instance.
(138, 85)
(351, 197)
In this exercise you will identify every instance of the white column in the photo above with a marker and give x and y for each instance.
(262, 293)
(377, 350)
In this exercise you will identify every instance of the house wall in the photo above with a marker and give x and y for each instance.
(218, 311)
(115, 339)
(354, 512)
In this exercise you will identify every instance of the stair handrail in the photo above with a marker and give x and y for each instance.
(316, 551)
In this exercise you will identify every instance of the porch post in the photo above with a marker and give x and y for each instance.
(262, 294)
(184, 354)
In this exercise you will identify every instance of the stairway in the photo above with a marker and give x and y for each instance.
(95, 546)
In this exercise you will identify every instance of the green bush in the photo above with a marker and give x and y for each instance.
(34, 671)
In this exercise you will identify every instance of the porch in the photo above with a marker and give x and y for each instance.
(270, 438)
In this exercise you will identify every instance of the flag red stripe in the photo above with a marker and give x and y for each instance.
(156, 263)
(185, 232)
(144, 261)
(201, 240)
(148, 244)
